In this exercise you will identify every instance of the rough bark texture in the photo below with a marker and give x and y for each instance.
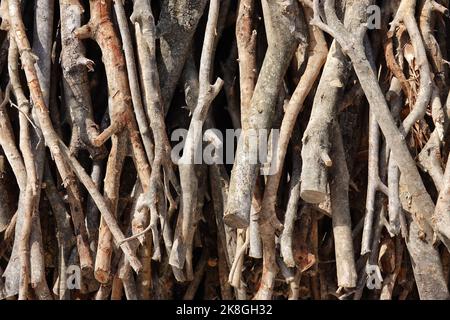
(318, 168)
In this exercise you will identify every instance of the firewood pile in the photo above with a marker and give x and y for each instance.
(194, 149)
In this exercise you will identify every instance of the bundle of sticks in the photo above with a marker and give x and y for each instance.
(194, 149)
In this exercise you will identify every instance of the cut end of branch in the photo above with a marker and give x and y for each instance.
(313, 196)
(326, 159)
(236, 221)
(102, 276)
(83, 32)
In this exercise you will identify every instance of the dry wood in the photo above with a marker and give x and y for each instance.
(282, 26)
(351, 190)
(188, 177)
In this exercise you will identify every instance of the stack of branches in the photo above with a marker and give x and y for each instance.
(351, 200)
